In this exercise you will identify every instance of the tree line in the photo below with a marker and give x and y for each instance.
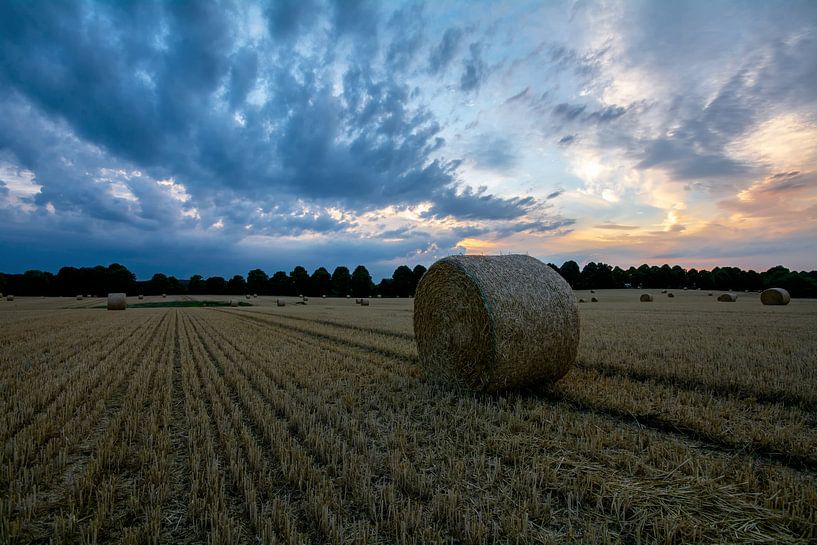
(100, 280)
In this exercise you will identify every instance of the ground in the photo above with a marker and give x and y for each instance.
(683, 420)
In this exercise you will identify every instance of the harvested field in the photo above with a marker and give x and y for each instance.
(682, 421)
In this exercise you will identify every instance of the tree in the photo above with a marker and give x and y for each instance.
(362, 285)
(402, 281)
(158, 284)
(418, 273)
(196, 285)
(237, 285)
(320, 282)
(257, 281)
(341, 282)
(119, 279)
(300, 280)
(385, 287)
(216, 285)
(281, 284)
(570, 272)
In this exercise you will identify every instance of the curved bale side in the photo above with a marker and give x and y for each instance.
(233, 302)
(9, 298)
(646, 298)
(117, 301)
(775, 296)
(280, 303)
(727, 298)
(495, 322)
(594, 300)
(670, 295)
(364, 302)
(79, 297)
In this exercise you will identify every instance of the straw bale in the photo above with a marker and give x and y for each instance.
(727, 298)
(280, 303)
(775, 296)
(594, 300)
(117, 301)
(364, 302)
(646, 298)
(495, 322)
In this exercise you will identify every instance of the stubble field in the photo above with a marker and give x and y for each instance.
(683, 420)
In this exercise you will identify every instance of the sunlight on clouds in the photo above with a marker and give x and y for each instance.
(784, 142)
(176, 190)
(219, 224)
(478, 246)
(19, 182)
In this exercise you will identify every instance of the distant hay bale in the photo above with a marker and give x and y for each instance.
(233, 302)
(9, 298)
(323, 297)
(685, 288)
(358, 300)
(582, 301)
(79, 297)
(775, 296)
(670, 295)
(594, 300)
(348, 296)
(248, 296)
(663, 291)
(710, 294)
(646, 298)
(727, 298)
(305, 299)
(164, 295)
(88, 296)
(117, 301)
(364, 302)
(280, 303)
(379, 296)
(141, 297)
(495, 322)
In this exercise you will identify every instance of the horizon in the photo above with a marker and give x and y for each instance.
(210, 138)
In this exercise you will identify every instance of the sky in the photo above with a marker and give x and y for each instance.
(216, 137)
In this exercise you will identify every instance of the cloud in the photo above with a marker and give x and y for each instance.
(441, 55)
(475, 71)
(470, 204)
(615, 226)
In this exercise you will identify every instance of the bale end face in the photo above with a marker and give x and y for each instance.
(495, 322)
(364, 302)
(594, 300)
(117, 301)
(280, 303)
(646, 298)
(727, 298)
(775, 296)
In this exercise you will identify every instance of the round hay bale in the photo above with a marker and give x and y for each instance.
(364, 302)
(663, 291)
(348, 296)
(88, 296)
(582, 301)
(495, 322)
(358, 300)
(670, 295)
(117, 301)
(164, 295)
(592, 291)
(280, 303)
(323, 297)
(9, 298)
(379, 296)
(594, 300)
(646, 298)
(141, 297)
(79, 297)
(305, 299)
(727, 298)
(775, 296)
(248, 296)
(233, 302)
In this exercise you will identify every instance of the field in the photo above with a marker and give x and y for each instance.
(683, 420)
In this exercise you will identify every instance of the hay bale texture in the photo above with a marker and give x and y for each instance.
(775, 296)
(364, 302)
(280, 303)
(495, 322)
(646, 298)
(117, 301)
(727, 298)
